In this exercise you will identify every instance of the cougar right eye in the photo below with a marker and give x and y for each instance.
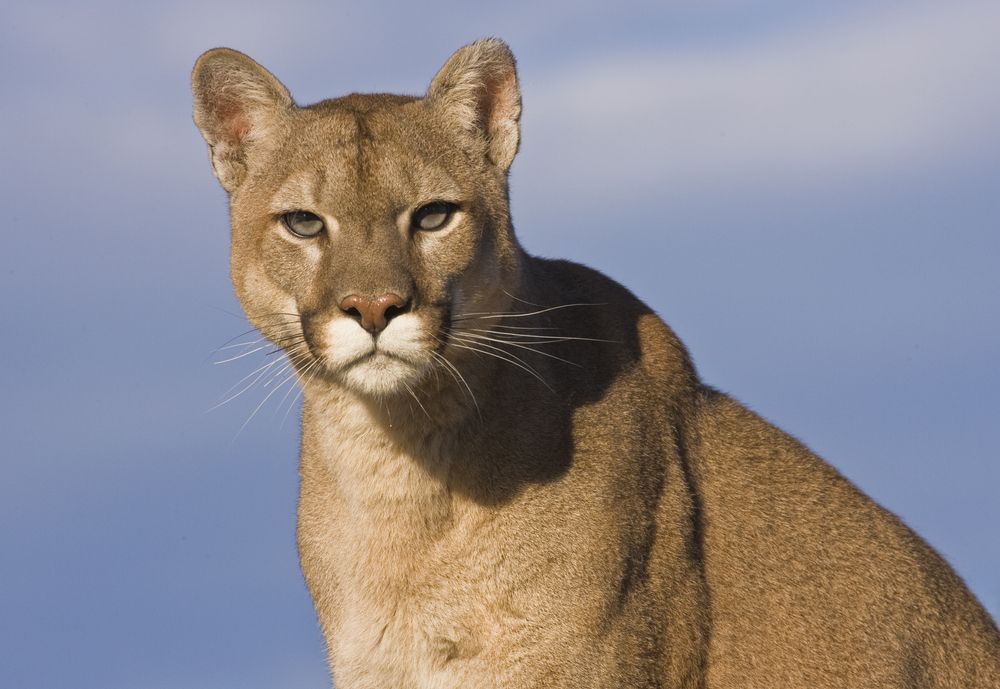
(433, 216)
(302, 223)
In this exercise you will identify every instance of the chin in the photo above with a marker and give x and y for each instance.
(382, 375)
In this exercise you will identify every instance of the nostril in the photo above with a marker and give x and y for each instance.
(394, 309)
(353, 306)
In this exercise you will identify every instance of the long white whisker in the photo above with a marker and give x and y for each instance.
(479, 343)
(542, 338)
(524, 327)
(303, 379)
(240, 356)
(261, 372)
(484, 338)
(287, 345)
(242, 334)
(263, 401)
(415, 399)
(253, 330)
(517, 314)
(277, 374)
(514, 361)
(238, 344)
(294, 357)
(281, 403)
(301, 375)
(459, 378)
(523, 301)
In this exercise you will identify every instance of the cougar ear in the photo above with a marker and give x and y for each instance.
(478, 90)
(238, 105)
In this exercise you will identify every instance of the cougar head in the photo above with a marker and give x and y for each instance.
(362, 225)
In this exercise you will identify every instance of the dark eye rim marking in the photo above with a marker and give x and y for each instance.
(295, 219)
(447, 209)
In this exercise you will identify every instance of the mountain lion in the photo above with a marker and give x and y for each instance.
(511, 474)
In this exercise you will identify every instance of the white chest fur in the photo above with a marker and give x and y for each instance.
(415, 603)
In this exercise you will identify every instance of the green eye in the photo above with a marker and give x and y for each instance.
(433, 216)
(303, 223)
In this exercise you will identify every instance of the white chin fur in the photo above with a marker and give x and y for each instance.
(399, 358)
(380, 375)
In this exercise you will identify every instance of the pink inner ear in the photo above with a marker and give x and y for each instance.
(502, 100)
(235, 123)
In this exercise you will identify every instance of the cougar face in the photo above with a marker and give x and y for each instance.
(361, 225)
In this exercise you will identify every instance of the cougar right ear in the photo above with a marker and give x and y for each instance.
(478, 89)
(238, 105)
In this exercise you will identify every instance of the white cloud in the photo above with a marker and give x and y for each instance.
(869, 95)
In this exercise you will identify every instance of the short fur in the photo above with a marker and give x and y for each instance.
(521, 481)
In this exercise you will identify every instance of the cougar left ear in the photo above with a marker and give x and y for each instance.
(237, 105)
(478, 89)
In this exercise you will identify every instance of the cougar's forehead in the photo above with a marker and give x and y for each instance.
(369, 163)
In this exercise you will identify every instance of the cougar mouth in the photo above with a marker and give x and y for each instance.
(379, 363)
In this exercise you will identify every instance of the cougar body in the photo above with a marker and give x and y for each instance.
(511, 474)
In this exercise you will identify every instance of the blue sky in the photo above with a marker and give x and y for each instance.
(807, 192)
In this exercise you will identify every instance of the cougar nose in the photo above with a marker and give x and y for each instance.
(374, 314)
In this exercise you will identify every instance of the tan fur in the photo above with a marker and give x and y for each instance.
(537, 511)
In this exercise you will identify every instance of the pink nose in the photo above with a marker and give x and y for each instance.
(373, 314)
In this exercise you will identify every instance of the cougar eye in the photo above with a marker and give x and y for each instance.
(302, 223)
(433, 216)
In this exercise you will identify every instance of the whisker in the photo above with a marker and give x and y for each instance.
(280, 313)
(282, 348)
(303, 381)
(231, 339)
(227, 344)
(523, 301)
(263, 401)
(261, 315)
(299, 354)
(240, 356)
(263, 371)
(289, 392)
(239, 344)
(525, 327)
(480, 338)
(289, 331)
(459, 378)
(531, 342)
(437, 375)
(226, 311)
(415, 399)
(284, 330)
(513, 360)
(288, 342)
(543, 339)
(516, 314)
(437, 358)
(277, 374)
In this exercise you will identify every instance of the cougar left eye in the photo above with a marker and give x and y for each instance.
(433, 216)
(302, 223)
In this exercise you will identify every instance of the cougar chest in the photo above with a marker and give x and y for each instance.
(381, 530)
